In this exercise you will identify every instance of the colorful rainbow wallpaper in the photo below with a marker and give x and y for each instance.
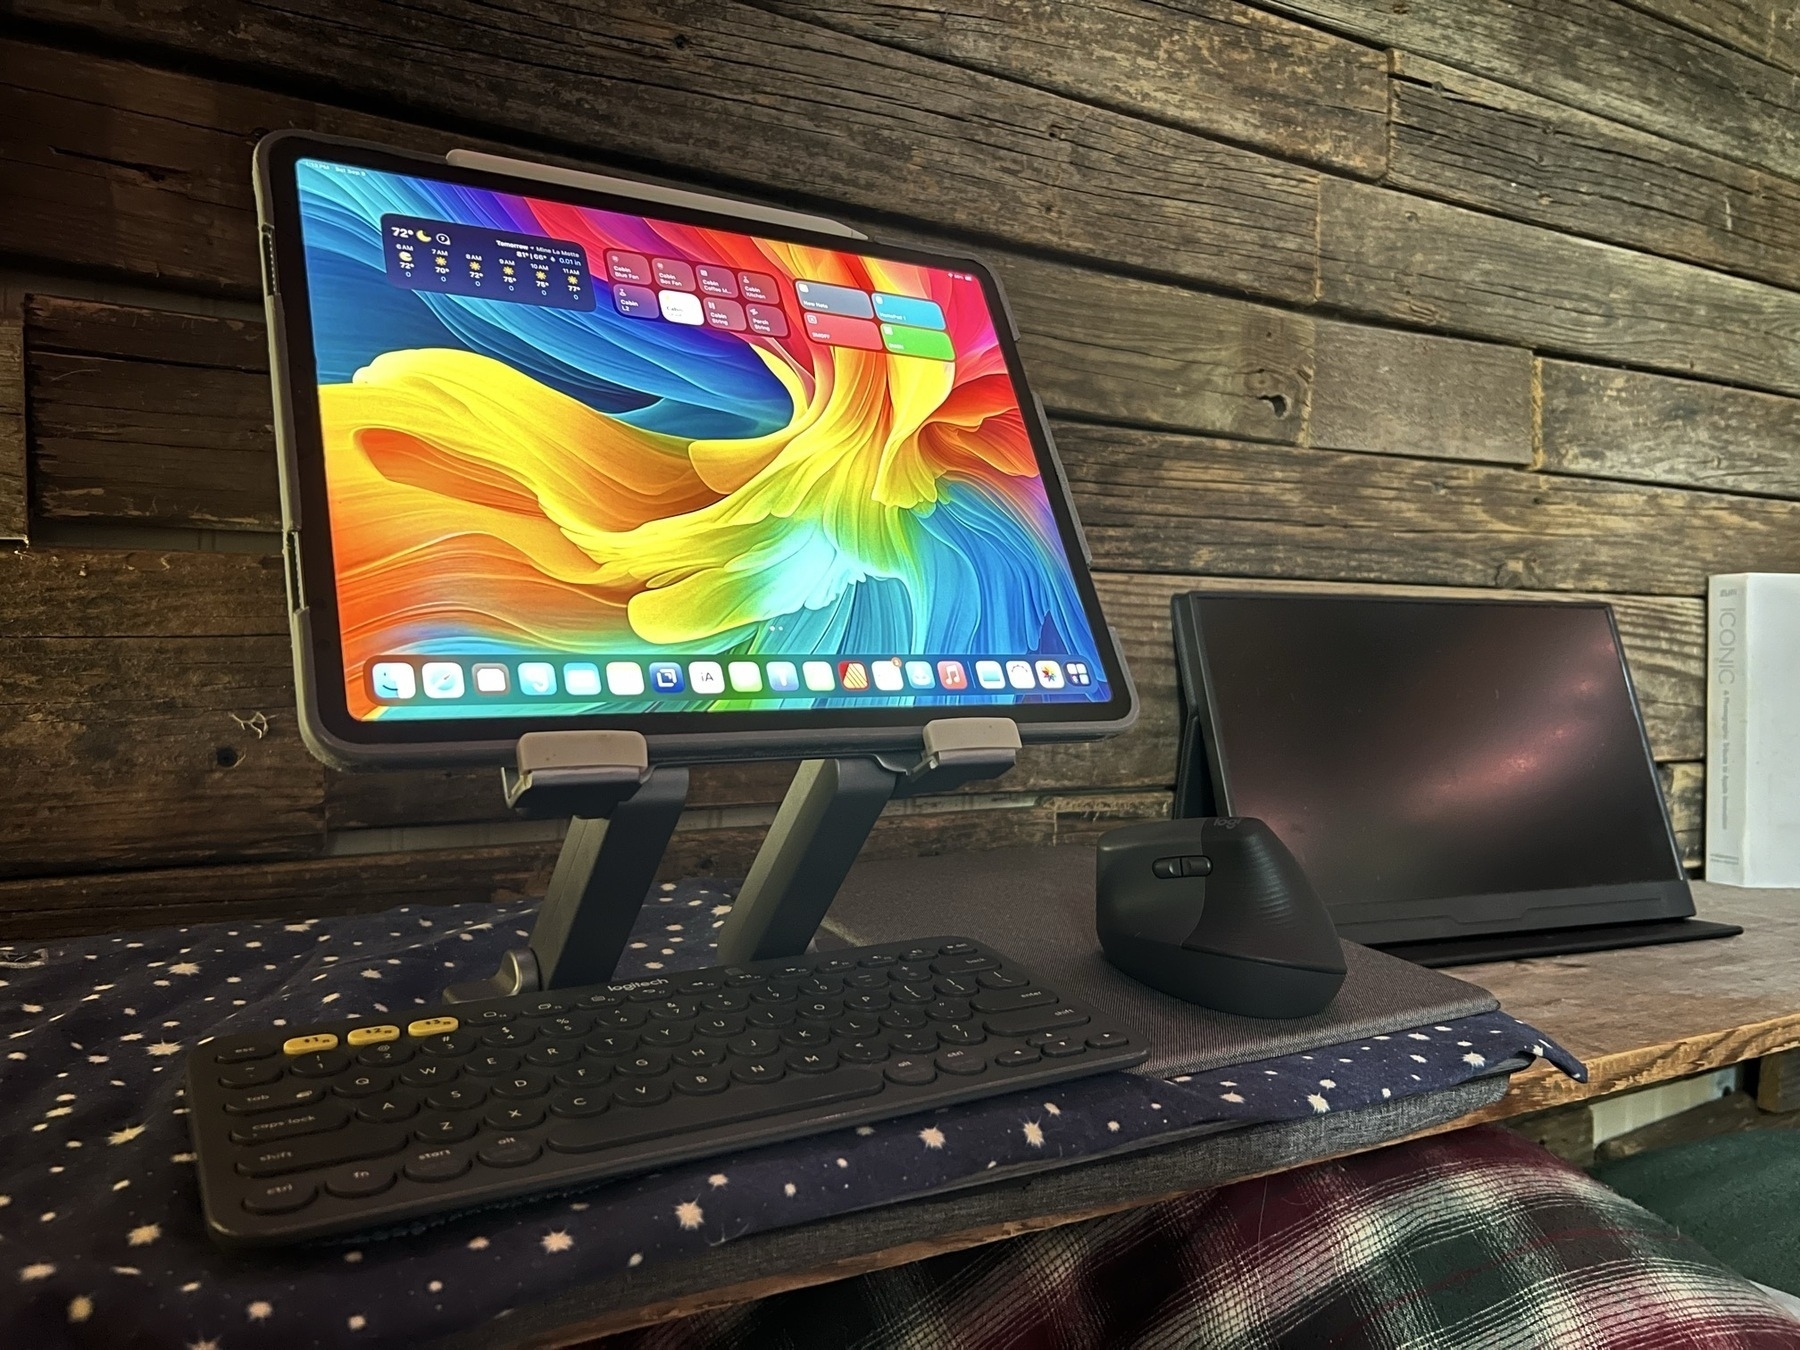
(517, 479)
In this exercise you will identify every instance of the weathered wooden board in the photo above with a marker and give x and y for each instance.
(1430, 265)
(1409, 394)
(49, 906)
(1216, 67)
(1605, 423)
(1493, 147)
(96, 593)
(1165, 503)
(1684, 789)
(1609, 58)
(146, 415)
(728, 91)
(1769, 29)
(14, 518)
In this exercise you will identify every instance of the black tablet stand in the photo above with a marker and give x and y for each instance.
(622, 812)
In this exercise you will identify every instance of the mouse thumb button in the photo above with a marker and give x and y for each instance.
(1197, 866)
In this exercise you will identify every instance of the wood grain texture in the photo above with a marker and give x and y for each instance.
(1603, 56)
(1645, 1015)
(1158, 502)
(717, 88)
(1767, 29)
(99, 593)
(1778, 1081)
(1684, 789)
(1427, 264)
(1487, 145)
(1399, 393)
(1220, 68)
(1604, 423)
(14, 513)
(150, 416)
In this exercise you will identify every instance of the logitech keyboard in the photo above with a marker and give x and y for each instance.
(356, 1127)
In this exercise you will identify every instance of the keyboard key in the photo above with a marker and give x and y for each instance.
(903, 1019)
(376, 1035)
(584, 1075)
(757, 1071)
(702, 1082)
(272, 1099)
(509, 1150)
(818, 1009)
(864, 1052)
(916, 954)
(869, 981)
(622, 1019)
(487, 1017)
(645, 1092)
(654, 992)
(698, 984)
(720, 1027)
(600, 998)
(565, 1026)
(876, 960)
(956, 949)
(360, 1179)
(432, 1026)
(868, 1002)
(242, 1048)
(774, 994)
(1061, 1047)
(948, 1010)
(806, 1034)
(512, 1034)
(956, 986)
(553, 1054)
(813, 1061)
(645, 1064)
(513, 1115)
(281, 1197)
(320, 1065)
(465, 1096)
(911, 1071)
(1008, 999)
(612, 1043)
(675, 1010)
(835, 965)
(311, 1120)
(756, 1044)
(576, 1105)
(437, 1164)
(963, 965)
(316, 1043)
(446, 1129)
(388, 1055)
(1107, 1040)
(449, 1045)
(799, 1093)
(364, 1084)
(915, 1042)
(920, 993)
(492, 1064)
(429, 1074)
(964, 1062)
(668, 1035)
(999, 979)
(386, 1109)
(727, 1001)
(254, 1074)
(699, 1056)
(911, 972)
(1027, 1020)
(525, 1083)
(960, 1033)
(857, 1025)
(1020, 1054)
(821, 986)
(351, 1145)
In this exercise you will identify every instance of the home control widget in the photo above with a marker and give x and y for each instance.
(475, 680)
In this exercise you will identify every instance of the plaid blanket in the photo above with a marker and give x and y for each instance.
(1472, 1239)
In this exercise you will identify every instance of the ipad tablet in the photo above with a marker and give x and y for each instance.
(558, 458)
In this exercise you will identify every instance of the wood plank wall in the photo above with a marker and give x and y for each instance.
(1498, 296)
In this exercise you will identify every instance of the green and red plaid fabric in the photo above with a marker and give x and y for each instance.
(1472, 1239)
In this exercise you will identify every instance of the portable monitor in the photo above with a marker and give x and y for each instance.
(1472, 772)
(557, 458)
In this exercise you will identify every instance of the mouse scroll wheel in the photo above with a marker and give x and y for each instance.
(1192, 866)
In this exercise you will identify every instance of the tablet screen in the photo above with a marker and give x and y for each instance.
(585, 461)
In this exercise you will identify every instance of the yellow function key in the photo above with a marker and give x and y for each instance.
(307, 1045)
(432, 1026)
(373, 1035)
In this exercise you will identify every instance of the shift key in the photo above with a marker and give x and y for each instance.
(1027, 1020)
(327, 1151)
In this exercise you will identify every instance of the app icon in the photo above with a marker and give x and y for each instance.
(952, 675)
(393, 679)
(854, 674)
(989, 675)
(581, 678)
(442, 679)
(818, 676)
(1049, 674)
(489, 679)
(918, 674)
(666, 677)
(784, 679)
(625, 678)
(707, 677)
(537, 678)
(1018, 675)
(1078, 673)
(887, 675)
(746, 677)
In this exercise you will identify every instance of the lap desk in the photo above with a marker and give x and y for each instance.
(100, 1218)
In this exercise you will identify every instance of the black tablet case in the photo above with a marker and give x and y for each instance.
(1037, 905)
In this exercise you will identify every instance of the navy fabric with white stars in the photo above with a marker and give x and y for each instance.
(101, 1239)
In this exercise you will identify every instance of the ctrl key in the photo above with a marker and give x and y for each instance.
(281, 1197)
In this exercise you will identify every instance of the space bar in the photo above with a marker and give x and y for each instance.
(629, 1124)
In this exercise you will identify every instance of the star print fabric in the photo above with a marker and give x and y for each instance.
(101, 1239)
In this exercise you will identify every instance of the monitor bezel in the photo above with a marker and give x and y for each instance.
(1433, 917)
(338, 737)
